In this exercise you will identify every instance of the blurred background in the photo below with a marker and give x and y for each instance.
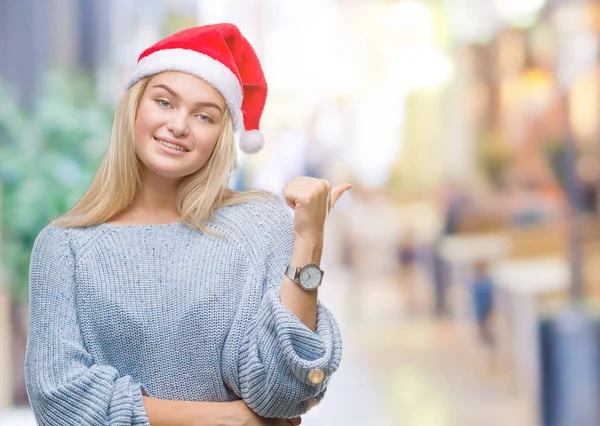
(463, 267)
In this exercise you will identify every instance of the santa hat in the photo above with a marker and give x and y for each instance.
(220, 55)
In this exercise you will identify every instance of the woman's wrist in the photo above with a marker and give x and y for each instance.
(307, 249)
(234, 413)
(217, 414)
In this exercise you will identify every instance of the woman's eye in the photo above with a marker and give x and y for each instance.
(204, 117)
(163, 103)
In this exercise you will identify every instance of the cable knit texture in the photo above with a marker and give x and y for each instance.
(117, 311)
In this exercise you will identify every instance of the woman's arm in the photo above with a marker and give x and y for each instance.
(311, 199)
(163, 412)
(281, 364)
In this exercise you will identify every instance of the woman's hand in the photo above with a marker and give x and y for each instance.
(308, 197)
(240, 415)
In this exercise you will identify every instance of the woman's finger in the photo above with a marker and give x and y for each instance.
(337, 192)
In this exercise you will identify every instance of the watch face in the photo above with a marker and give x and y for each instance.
(310, 277)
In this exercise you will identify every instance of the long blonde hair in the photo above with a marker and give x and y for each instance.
(118, 178)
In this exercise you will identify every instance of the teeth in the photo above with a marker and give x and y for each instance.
(170, 145)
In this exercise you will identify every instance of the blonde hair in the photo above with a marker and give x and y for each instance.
(118, 178)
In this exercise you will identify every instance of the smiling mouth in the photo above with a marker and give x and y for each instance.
(171, 145)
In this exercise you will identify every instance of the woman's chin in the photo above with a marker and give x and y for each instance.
(167, 171)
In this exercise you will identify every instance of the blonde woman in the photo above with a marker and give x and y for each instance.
(164, 297)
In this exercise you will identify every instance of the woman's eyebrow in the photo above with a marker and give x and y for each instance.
(168, 89)
(176, 96)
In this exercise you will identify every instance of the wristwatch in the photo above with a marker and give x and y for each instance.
(309, 277)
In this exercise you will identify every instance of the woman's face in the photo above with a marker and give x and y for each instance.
(177, 124)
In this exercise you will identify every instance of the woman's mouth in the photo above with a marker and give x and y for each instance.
(171, 146)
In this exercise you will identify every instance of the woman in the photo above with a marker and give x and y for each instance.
(165, 298)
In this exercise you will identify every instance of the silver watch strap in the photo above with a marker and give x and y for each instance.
(292, 272)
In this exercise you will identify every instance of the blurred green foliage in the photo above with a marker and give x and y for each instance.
(48, 157)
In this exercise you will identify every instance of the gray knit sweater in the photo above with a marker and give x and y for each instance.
(117, 311)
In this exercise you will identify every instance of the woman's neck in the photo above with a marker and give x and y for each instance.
(155, 203)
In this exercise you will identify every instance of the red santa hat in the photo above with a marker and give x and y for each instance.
(220, 55)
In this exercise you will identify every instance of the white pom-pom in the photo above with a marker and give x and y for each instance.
(251, 141)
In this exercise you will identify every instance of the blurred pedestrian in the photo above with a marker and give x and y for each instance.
(482, 295)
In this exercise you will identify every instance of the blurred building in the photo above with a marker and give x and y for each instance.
(102, 38)
(36, 35)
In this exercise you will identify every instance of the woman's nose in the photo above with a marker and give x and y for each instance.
(178, 125)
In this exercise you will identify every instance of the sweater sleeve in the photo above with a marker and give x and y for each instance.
(284, 366)
(64, 385)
